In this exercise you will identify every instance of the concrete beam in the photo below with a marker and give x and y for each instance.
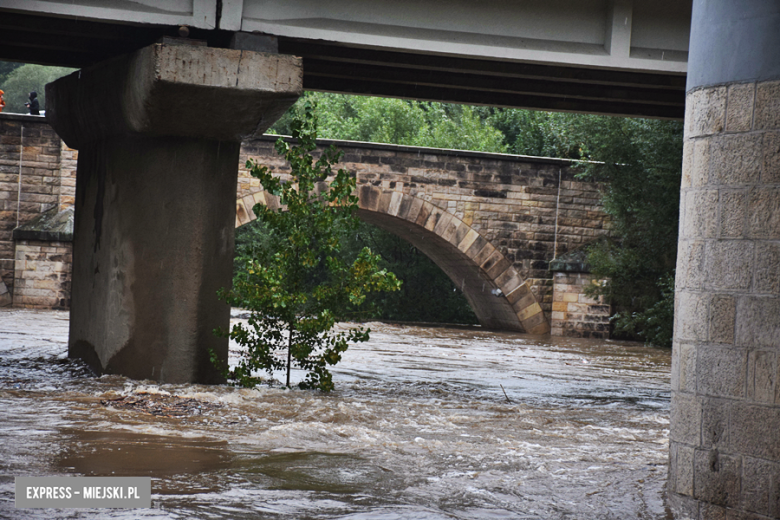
(186, 90)
(158, 134)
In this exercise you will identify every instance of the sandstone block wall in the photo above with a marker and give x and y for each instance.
(725, 450)
(513, 202)
(529, 209)
(42, 274)
(37, 172)
(574, 314)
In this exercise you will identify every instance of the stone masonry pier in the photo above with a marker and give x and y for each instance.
(725, 409)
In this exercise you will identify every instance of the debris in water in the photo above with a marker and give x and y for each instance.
(507, 397)
(160, 405)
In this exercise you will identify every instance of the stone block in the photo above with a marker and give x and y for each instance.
(729, 264)
(705, 112)
(739, 115)
(424, 213)
(684, 367)
(713, 512)
(761, 487)
(684, 507)
(720, 371)
(495, 265)
(468, 240)
(530, 299)
(535, 323)
(395, 203)
(723, 310)
(384, 201)
(687, 165)
(700, 174)
(767, 109)
(733, 213)
(770, 171)
(691, 317)
(518, 293)
(736, 159)
(368, 197)
(481, 251)
(700, 214)
(715, 416)
(764, 212)
(762, 371)
(529, 311)
(583, 298)
(690, 264)
(442, 222)
(683, 475)
(460, 230)
(508, 281)
(758, 321)
(753, 430)
(685, 419)
(717, 478)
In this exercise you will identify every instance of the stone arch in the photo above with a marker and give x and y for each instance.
(499, 296)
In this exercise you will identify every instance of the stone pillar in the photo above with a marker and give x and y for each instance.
(725, 418)
(158, 135)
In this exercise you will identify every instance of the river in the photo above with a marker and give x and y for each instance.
(419, 427)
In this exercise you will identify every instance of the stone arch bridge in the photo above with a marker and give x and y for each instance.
(491, 222)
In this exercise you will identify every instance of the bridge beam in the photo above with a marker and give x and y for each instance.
(725, 414)
(158, 133)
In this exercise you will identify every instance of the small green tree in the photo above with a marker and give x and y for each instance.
(300, 287)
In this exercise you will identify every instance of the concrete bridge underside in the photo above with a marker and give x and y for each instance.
(625, 57)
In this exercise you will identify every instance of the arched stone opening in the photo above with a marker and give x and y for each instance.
(499, 296)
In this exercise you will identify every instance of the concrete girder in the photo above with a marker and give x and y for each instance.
(618, 57)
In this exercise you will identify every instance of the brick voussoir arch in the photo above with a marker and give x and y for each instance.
(499, 296)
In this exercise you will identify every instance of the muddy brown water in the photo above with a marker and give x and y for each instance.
(418, 428)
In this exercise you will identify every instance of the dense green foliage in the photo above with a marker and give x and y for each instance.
(6, 67)
(642, 167)
(396, 121)
(298, 288)
(18, 82)
(541, 134)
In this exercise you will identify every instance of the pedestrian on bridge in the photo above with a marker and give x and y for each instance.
(33, 104)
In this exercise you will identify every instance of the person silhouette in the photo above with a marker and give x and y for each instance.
(33, 104)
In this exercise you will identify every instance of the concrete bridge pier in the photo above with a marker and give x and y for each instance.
(158, 133)
(725, 418)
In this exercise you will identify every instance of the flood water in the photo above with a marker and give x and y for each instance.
(419, 427)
